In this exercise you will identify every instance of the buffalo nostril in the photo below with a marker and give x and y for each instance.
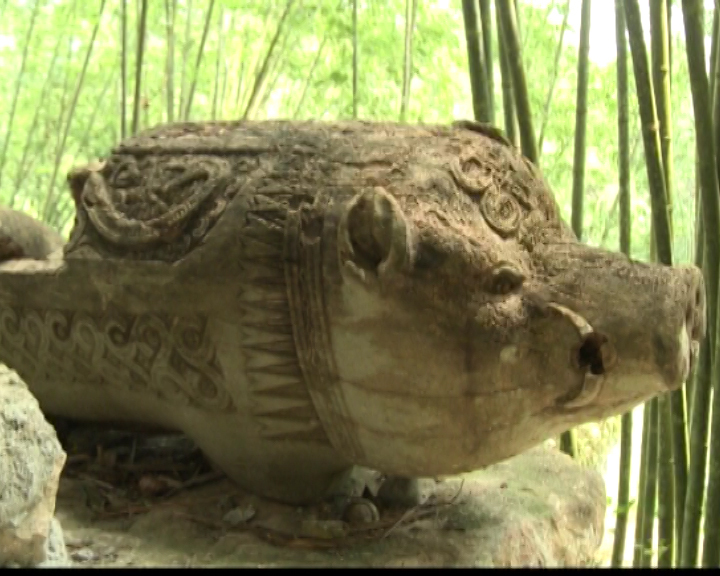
(699, 297)
(690, 317)
(695, 313)
(699, 324)
(595, 354)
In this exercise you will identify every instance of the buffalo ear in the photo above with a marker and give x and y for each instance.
(77, 177)
(378, 234)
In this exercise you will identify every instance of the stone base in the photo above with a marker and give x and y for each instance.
(537, 509)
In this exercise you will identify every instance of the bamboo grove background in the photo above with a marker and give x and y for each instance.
(627, 143)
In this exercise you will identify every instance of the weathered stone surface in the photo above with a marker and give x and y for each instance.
(299, 298)
(23, 237)
(55, 551)
(30, 467)
(537, 509)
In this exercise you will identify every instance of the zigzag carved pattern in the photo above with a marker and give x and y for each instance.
(279, 398)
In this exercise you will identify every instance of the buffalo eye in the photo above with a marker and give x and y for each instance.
(506, 280)
(429, 256)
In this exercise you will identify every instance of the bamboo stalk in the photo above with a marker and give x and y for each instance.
(650, 485)
(507, 89)
(264, 67)
(142, 27)
(216, 89)
(666, 486)
(18, 86)
(226, 70)
(410, 15)
(693, 21)
(71, 112)
(87, 133)
(711, 525)
(651, 136)
(247, 61)
(123, 69)
(638, 548)
(661, 90)
(25, 160)
(354, 59)
(553, 77)
(567, 439)
(239, 86)
(578, 188)
(626, 422)
(486, 26)
(700, 404)
(275, 69)
(690, 544)
(506, 10)
(310, 76)
(699, 238)
(170, 12)
(623, 505)
(201, 50)
(187, 43)
(676, 453)
(147, 98)
(476, 61)
(273, 75)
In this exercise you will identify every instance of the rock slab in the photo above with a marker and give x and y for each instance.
(537, 509)
(30, 466)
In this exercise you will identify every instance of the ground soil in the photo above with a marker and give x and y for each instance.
(138, 500)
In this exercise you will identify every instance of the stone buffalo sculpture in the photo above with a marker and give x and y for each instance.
(300, 298)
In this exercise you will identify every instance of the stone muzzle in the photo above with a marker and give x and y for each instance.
(649, 318)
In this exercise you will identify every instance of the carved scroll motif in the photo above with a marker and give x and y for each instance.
(472, 174)
(501, 212)
(155, 206)
(170, 358)
(500, 208)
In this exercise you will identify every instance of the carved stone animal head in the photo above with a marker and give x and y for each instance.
(466, 294)
(302, 297)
